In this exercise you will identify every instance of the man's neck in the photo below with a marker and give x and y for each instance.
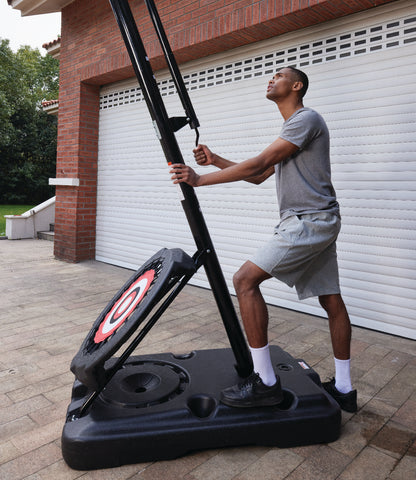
(287, 109)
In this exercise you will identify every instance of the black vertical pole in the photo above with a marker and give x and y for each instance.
(166, 136)
(172, 65)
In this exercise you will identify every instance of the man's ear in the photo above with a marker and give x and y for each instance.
(297, 86)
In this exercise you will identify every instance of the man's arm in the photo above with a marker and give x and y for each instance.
(204, 157)
(257, 168)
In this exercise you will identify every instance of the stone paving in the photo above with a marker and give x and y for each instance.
(48, 306)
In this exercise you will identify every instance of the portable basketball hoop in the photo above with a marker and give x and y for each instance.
(131, 409)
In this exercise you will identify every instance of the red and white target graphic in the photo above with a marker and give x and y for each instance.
(124, 306)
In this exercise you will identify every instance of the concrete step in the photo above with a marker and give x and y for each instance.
(46, 236)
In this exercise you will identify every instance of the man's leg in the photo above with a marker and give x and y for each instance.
(253, 308)
(262, 388)
(340, 329)
(339, 325)
(255, 318)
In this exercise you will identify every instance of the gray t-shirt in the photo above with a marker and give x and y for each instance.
(303, 180)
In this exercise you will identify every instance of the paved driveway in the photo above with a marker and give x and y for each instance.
(48, 306)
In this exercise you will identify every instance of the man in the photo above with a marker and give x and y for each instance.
(302, 252)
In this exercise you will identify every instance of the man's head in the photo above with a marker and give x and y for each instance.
(287, 81)
(301, 77)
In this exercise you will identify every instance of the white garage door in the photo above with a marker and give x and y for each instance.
(362, 71)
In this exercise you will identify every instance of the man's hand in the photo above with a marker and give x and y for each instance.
(184, 174)
(203, 155)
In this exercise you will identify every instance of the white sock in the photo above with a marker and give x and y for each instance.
(263, 364)
(342, 376)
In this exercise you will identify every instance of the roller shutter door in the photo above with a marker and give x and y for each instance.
(362, 70)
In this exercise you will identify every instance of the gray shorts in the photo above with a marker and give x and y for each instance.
(302, 253)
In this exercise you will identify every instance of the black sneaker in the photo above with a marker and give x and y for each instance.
(252, 392)
(347, 401)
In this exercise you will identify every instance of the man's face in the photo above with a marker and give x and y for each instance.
(280, 85)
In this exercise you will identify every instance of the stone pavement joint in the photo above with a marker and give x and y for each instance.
(48, 307)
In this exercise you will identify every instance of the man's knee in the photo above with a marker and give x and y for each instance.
(248, 276)
(332, 303)
(241, 280)
(334, 306)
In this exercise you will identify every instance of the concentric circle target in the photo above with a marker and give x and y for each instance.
(122, 309)
(126, 311)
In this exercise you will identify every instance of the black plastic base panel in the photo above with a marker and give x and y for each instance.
(163, 406)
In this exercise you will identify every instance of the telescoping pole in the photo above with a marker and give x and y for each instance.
(165, 127)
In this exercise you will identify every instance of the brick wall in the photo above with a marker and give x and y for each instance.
(93, 54)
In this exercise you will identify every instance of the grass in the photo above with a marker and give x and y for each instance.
(10, 210)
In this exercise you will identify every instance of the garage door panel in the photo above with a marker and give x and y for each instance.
(362, 74)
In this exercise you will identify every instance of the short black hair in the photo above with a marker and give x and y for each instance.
(301, 77)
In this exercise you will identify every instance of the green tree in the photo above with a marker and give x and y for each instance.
(27, 134)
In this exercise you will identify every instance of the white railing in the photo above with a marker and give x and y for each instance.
(28, 224)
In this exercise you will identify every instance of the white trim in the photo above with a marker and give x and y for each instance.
(64, 182)
(36, 7)
(52, 109)
(54, 50)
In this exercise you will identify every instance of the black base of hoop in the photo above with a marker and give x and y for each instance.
(163, 406)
